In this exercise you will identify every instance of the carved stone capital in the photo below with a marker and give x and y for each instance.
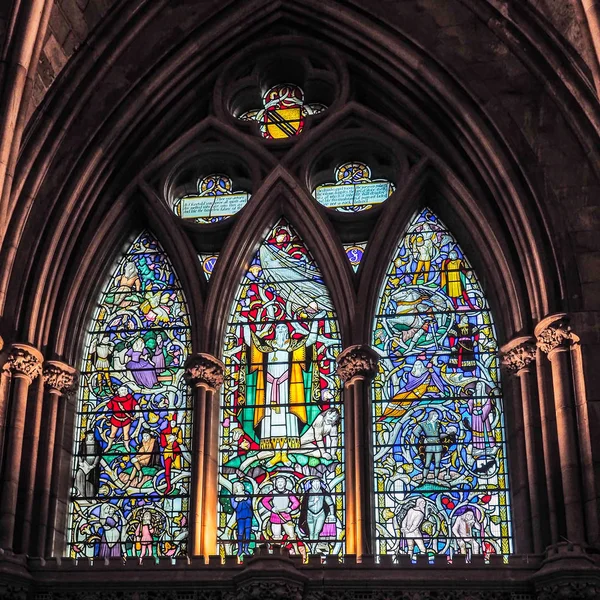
(204, 369)
(518, 354)
(25, 360)
(357, 361)
(553, 333)
(59, 376)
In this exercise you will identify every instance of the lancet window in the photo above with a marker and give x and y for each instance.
(131, 456)
(441, 482)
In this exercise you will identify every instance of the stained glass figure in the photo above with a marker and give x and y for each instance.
(214, 201)
(281, 459)
(439, 441)
(355, 253)
(131, 457)
(208, 263)
(284, 112)
(353, 189)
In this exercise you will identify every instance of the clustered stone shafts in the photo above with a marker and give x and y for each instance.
(519, 357)
(357, 361)
(204, 369)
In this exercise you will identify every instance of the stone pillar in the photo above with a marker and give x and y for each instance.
(59, 379)
(357, 365)
(25, 364)
(204, 373)
(554, 339)
(517, 358)
(4, 389)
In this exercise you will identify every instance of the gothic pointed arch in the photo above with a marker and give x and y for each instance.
(131, 458)
(279, 196)
(281, 460)
(441, 480)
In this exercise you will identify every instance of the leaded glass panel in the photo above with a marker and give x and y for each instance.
(281, 450)
(441, 480)
(131, 457)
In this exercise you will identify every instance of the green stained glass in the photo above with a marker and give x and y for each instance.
(131, 457)
(438, 424)
(281, 460)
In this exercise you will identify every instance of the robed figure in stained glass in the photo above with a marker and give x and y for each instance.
(281, 413)
(278, 384)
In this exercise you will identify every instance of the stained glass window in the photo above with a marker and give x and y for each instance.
(284, 112)
(439, 440)
(281, 447)
(355, 253)
(131, 457)
(353, 189)
(216, 200)
(208, 262)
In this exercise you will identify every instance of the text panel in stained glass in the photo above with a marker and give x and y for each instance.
(440, 458)
(353, 189)
(131, 465)
(281, 445)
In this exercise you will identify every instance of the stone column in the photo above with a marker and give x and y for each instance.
(517, 358)
(25, 364)
(357, 365)
(554, 339)
(4, 389)
(204, 373)
(59, 379)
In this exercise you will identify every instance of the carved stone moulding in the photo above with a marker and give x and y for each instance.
(357, 361)
(518, 354)
(554, 333)
(204, 369)
(59, 376)
(25, 360)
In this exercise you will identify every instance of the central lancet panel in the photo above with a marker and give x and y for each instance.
(281, 445)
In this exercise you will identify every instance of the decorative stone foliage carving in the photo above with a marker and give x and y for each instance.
(519, 357)
(569, 590)
(555, 335)
(204, 369)
(357, 361)
(267, 589)
(25, 360)
(59, 377)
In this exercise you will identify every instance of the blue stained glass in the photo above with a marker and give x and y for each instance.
(441, 479)
(355, 253)
(131, 459)
(281, 460)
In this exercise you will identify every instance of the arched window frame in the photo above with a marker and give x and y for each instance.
(282, 191)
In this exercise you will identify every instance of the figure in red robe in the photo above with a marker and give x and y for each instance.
(121, 407)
